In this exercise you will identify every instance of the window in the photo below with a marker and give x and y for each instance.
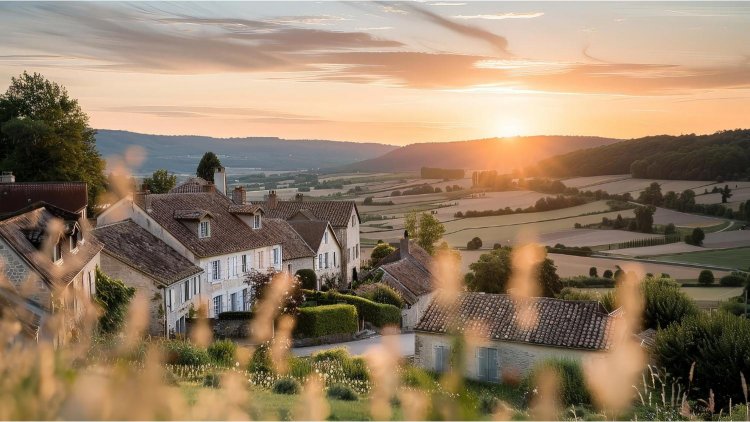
(180, 326)
(187, 290)
(487, 364)
(320, 261)
(92, 284)
(334, 259)
(57, 252)
(170, 299)
(356, 251)
(218, 305)
(234, 301)
(325, 259)
(245, 299)
(256, 221)
(232, 267)
(260, 260)
(244, 263)
(275, 256)
(442, 358)
(204, 229)
(216, 270)
(196, 288)
(325, 237)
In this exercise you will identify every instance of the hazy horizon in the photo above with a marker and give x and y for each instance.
(393, 73)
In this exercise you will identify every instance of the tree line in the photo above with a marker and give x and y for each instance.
(440, 173)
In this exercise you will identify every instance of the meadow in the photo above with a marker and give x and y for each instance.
(738, 258)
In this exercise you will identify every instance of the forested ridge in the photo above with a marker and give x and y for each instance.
(722, 155)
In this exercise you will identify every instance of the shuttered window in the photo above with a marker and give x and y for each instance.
(487, 364)
(442, 358)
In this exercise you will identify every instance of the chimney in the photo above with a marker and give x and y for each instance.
(143, 197)
(298, 197)
(273, 200)
(239, 196)
(403, 247)
(209, 187)
(220, 180)
(7, 177)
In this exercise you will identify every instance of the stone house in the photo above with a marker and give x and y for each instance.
(408, 271)
(227, 240)
(172, 283)
(321, 239)
(564, 329)
(343, 217)
(48, 261)
(69, 196)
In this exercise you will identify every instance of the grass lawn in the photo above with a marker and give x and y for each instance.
(732, 258)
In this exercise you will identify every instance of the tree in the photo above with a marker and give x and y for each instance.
(696, 237)
(670, 229)
(593, 272)
(206, 167)
(726, 193)
(644, 218)
(45, 135)
(160, 181)
(491, 273)
(651, 195)
(379, 252)
(474, 244)
(666, 303)
(425, 228)
(261, 284)
(114, 298)
(308, 279)
(608, 274)
(706, 277)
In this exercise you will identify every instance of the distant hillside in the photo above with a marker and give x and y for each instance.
(504, 154)
(691, 157)
(180, 154)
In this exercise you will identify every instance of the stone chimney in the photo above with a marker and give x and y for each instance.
(403, 247)
(299, 197)
(220, 180)
(209, 187)
(7, 177)
(239, 196)
(273, 200)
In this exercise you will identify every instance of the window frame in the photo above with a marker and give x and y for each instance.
(201, 234)
(216, 270)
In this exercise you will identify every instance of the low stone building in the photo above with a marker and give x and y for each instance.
(170, 281)
(563, 329)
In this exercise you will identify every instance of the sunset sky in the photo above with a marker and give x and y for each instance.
(397, 73)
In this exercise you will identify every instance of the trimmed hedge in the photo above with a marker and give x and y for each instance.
(378, 314)
(308, 278)
(589, 282)
(325, 320)
(732, 280)
(236, 315)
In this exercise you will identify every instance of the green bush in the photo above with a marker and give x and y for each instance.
(308, 279)
(718, 344)
(338, 354)
(666, 303)
(487, 403)
(732, 280)
(474, 244)
(113, 296)
(572, 385)
(341, 392)
(286, 386)
(236, 315)
(261, 360)
(583, 281)
(181, 352)
(417, 378)
(382, 293)
(378, 314)
(570, 294)
(300, 368)
(212, 380)
(706, 277)
(222, 352)
(325, 320)
(608, 274)
(356, 369)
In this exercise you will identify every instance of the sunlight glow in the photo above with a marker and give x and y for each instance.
(509, 128)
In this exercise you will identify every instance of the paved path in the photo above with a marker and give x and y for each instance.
(358, 347)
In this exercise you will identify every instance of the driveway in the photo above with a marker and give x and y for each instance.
(359, 347)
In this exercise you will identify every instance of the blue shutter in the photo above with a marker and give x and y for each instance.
(492, 362)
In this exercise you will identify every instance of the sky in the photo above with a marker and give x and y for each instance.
(391, 72)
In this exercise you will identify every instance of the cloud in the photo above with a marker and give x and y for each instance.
(501, 16)
(307, 20)
(445, 3)
(206, 111)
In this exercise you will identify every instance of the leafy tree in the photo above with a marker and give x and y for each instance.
(607, 274)
(382, 293)
(706, 277)
(670, 229)
(45, 135)
(261, 282)
(644, 218)
(308, 279)
(160, 181)
(686, 201)
(425, 228)
(726, 193)
(206, 167)
(745, 210)
(651, 195)
(114, 297)
(379, 252)
(474, 244)
(666, 303)
(593, 272)
(491, 273)
(696, 237)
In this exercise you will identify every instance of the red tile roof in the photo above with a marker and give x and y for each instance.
(70, 196)
(338, 213)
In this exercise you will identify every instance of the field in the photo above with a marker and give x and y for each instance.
(591, 237)
(730, 258)
(717, 240)
(665, 216)
(707, 297)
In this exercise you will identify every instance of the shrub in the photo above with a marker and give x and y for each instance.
(417, 378)
(572, 385)
(356, 369)
(593, 272)
(670, 229)
(706, 277)
(382, 293)
(325, 320)
(181, 352)
(261, 360)
(608, 274)
(300, 368)
(378, 314)
(308, 279)
(666, 303)
(113, 296)
(286, 385)
(222, 352)
(236, 315)
(732, 280)
(474, 244)
(338, 354)
(341, 392)
(487, 403)
(379, 252)
(570, 294)
(717, 343)
(212, 380)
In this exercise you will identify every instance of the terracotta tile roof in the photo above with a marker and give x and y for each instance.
(70, 196)
(409, 275)
(293, 246)
(338, 213)
(229, 234)
(561, 323)
(245, 209)
(311, 231)
(26, 232)
(191, 214)
(191, 185)
(136, 247)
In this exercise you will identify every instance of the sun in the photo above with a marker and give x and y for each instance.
(509, 128)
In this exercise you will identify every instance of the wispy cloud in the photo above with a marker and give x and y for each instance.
(501, 16)
(308, 20)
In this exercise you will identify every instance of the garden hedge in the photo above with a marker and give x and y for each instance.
(378, 314)
(236, 315)
(318, 321)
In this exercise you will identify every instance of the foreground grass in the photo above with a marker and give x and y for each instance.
(738, 258)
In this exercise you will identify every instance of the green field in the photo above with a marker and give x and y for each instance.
(731, 258)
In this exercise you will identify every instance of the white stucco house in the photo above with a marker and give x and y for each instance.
(227, 240)
(321, 238)
(575, 330)
(171, 282)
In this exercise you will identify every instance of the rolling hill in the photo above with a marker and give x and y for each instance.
(503, 154)
(724, 154)
(180, 154)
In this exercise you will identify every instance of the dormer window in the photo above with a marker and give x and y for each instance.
(57, 252)
(256, 221)
(204, 229)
